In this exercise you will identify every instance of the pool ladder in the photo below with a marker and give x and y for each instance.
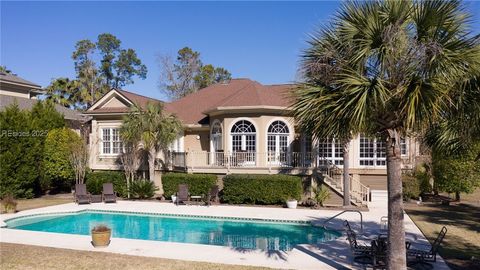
(345, 211)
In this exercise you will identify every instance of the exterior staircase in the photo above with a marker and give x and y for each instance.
(332, 176)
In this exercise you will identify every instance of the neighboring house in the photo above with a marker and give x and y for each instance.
(241, 126)
(14, 89)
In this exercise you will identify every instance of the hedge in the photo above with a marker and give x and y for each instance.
(95, 181)
(410, 187)
(261, 189)
(198, 184)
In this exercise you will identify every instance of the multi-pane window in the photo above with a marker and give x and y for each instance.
(111, 142)
(372, 152)
(243, 142)
(277, 142)
(243, 136)
(216, 136)
(330, 150)
(403, 147)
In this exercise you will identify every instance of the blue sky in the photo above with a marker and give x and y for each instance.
(258, 40)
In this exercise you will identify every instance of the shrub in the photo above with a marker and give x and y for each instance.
(410, 186)
(101, 228)
(21, 147)
(261, 189)
(58, 171)
(422, 174)
(9, 204)
(197, 183)
(95, 181)
(321, 194)
(142, 189)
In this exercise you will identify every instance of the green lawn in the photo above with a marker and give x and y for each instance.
(463, 223)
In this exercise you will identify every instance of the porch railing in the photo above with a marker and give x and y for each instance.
(242, 159)
(334, 174)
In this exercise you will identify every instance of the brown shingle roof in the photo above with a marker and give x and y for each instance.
(27, 104)
(132, 97)
(138, 99)
(8, 77)
(237, 93)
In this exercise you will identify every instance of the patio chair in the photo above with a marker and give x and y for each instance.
(108, 194)
(182, 194)
(213, 195)
(81, 195)
(426, 255)
(361, 253)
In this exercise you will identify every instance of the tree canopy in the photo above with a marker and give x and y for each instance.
(115, 68)
(22, 145)
(187, 74)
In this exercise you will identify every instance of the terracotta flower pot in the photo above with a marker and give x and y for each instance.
(101, 238)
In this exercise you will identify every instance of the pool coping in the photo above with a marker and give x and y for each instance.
(329, 255)
(281, 221)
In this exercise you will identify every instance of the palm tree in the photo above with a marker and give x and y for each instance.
(391, 66)
(152, 128)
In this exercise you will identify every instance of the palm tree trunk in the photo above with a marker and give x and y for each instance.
(346, 175)
(396, 258)
(151, 164)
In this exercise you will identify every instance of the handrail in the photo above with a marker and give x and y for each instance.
(349, 210)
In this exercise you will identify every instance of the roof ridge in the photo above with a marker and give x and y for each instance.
(132, 93)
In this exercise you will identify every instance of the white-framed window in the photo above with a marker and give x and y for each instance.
(243, 135)
(372, 152)
(331, 150)
(277, 142)
(177, 144)
(111, 142)
(216, 137)
(403, 147)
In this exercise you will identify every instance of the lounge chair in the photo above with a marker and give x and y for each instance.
(108, 194)
(361, 253)
(415, 256)
(81, 195)
(213, 195)
(182, 194)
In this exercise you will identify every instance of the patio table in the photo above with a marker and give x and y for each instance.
(96, 198)
(196, 198)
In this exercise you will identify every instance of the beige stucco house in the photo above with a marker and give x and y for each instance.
(242, 126)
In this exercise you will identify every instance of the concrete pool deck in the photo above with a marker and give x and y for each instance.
(329, 255)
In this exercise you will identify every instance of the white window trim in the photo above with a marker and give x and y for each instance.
(230, 134)
(332, 157)
(277, 155)
(212, 145)
(374, 158)
(100, 145)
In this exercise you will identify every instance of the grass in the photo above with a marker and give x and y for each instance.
(462, 221)
(14, 256)
(25, 204)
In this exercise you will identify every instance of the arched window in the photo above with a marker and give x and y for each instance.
(216, 137)
(244, 137)
(277, 142)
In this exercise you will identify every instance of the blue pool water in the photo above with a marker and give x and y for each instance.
(242, 234)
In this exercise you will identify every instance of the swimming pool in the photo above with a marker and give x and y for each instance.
(235, 233)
